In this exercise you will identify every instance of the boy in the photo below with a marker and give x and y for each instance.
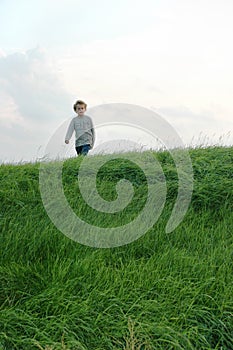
(84, 129)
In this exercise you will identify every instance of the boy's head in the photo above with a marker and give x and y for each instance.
(80, 107)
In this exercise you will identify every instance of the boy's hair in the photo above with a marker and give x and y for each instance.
(79, 102)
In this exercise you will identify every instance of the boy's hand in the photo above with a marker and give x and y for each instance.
(67, 141)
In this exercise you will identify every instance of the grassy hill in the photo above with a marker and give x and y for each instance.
(163, 291)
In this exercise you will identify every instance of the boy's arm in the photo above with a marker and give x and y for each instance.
(93, 134)
(69, 132)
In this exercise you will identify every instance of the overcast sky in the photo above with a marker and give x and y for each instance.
(171, 56)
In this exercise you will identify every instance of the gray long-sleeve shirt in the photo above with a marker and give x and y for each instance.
(84, 131)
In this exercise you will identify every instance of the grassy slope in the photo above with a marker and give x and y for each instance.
(163, 291)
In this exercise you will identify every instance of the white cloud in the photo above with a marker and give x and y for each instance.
(33, 85)
(9, 113)
(205, 127)
(33, 102)
(187, 62)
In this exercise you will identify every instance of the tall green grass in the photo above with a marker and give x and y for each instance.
(163, 291)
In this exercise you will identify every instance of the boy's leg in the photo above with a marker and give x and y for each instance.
(85, 149)
(78, 150)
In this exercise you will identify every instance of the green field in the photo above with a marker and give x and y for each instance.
(163, 291)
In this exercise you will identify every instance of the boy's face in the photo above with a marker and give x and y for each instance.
(80, 110)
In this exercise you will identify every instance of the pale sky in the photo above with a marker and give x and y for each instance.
(172, 56)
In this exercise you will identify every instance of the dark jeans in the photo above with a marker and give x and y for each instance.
(83, 150)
